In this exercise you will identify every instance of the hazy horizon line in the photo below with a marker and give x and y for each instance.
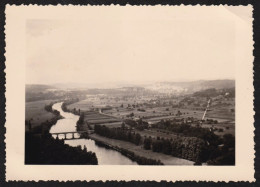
(130, 82)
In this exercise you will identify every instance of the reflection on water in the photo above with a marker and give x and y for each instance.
(68, 124)
(104, 156)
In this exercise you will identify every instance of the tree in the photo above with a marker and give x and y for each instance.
(166, 147)
(147, 143)
(123, 125)
(137, 139)
(81, 119)
(229, 140)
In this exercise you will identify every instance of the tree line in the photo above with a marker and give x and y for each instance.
(69, 102)
(189, 148)
(217, 150)
(189, 131)
(139, 124)
(118, 133)
(183, 147)
(199, 146)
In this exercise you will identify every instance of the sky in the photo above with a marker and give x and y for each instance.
(123, 48)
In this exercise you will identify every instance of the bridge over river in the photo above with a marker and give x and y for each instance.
(66, 129)
(73, 137)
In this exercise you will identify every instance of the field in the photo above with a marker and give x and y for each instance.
(103, 101)
(84, 105)
(221, 113)
(159, 113)
(111, 110)
(93, 117)
(35, 112)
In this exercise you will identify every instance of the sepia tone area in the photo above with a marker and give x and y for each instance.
(53, 52)
(192, 125)
(163, 94)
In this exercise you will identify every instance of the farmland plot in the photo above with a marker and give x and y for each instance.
(97, 118)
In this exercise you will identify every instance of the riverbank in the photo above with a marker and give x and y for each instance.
(104, 156)
(139, 151)
(130, 150)
(129, 154)
(42, 148)
(40, 116)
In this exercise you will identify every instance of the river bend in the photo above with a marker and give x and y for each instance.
(104, 156)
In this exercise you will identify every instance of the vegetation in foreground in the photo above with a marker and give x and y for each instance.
(204, 147)
(42, 148)
(49, 151)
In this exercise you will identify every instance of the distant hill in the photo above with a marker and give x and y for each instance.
(192, 86)
(38, 87)
(212, 92)
(36, 92)
(163, 87)
(218, 84)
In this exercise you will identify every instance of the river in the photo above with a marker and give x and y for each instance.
(104, 156)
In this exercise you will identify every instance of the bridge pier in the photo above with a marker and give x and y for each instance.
(65, 134)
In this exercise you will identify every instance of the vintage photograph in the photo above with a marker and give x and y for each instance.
(126, 93)
(112, 91)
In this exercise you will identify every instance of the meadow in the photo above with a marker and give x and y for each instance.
(35, 112)
(94, 117)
